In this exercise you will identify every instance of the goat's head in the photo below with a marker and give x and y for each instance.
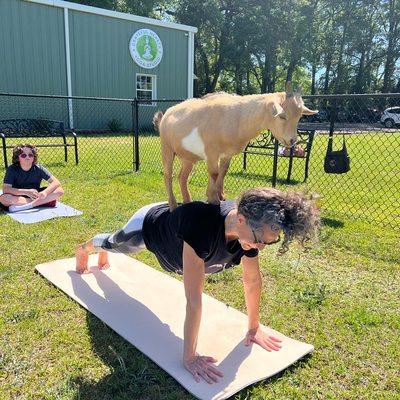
(286, 116)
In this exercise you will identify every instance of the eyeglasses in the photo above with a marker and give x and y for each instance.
(24, 155)
(262, 242)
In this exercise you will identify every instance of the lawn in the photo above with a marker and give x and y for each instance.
(342, 296)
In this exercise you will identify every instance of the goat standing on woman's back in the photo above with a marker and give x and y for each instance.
(218, 126)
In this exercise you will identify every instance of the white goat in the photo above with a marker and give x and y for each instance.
(218, 126)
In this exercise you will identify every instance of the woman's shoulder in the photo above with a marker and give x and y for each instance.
(227, 206)
(198, 207)
(203, 208)
(41, 168)
(13, 168)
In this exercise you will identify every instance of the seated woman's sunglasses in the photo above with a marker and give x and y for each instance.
(24, 155)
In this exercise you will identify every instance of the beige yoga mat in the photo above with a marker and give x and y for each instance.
(147, 308)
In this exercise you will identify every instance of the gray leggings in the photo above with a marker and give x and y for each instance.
(129, 239)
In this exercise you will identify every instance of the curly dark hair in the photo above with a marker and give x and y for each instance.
(293, 212)
(17, 150)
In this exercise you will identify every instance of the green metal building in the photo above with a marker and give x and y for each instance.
(54, 47)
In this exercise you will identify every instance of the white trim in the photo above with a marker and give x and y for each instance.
(153, 89)
(68, 67)
(190, 64)
(114, 14)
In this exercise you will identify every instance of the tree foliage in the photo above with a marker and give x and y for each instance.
(253, 46)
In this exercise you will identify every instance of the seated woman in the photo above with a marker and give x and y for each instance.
(21, 187)
(199, 238)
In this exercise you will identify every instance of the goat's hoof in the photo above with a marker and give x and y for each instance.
(215, 202)
(173, 207)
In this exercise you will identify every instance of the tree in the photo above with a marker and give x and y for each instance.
(248, 46)
(393, 47)
(212, 18)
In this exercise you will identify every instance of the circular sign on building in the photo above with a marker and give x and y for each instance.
(146, 48)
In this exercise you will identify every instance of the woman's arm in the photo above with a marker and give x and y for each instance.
(193, 279)
(252, 283)
(32, 193)
(54, 184)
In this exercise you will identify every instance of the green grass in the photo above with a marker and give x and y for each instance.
(343, 296)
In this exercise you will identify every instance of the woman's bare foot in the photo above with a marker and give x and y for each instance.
(103, 260)
(82, 258)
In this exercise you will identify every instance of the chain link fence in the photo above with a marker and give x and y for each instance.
(104, 130)
(116, 136)
(370, 126)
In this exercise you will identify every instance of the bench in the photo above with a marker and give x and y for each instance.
(266, 145)
(36, 128)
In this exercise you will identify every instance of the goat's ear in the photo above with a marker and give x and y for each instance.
(307, 111)
(289, 90)
(297, 98)
(278, 111)
(282, 115)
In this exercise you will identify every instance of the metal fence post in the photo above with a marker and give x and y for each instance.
(275, 165)
(332, 117)
(135, 125)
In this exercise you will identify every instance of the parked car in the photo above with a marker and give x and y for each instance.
(373, 114)
(362, 115)
(321, 116)
(354, 116)
(391, 117)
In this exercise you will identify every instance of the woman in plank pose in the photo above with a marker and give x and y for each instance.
(198, 238)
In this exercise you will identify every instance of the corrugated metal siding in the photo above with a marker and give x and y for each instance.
(32, 43)
(32, 48)
(32, 54)
(102, 65)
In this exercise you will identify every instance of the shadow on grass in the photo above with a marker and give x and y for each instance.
(280, 181)
(56, 164)
(332, 223)
(133, 375)
(125, 134)
(247, 393)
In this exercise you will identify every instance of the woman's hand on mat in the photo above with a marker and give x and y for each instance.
(267, 342)
(32, 193)
(203, 367)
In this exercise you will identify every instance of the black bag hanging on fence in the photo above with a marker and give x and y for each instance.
(336, 162)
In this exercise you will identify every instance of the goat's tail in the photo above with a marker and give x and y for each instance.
(157, 119)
